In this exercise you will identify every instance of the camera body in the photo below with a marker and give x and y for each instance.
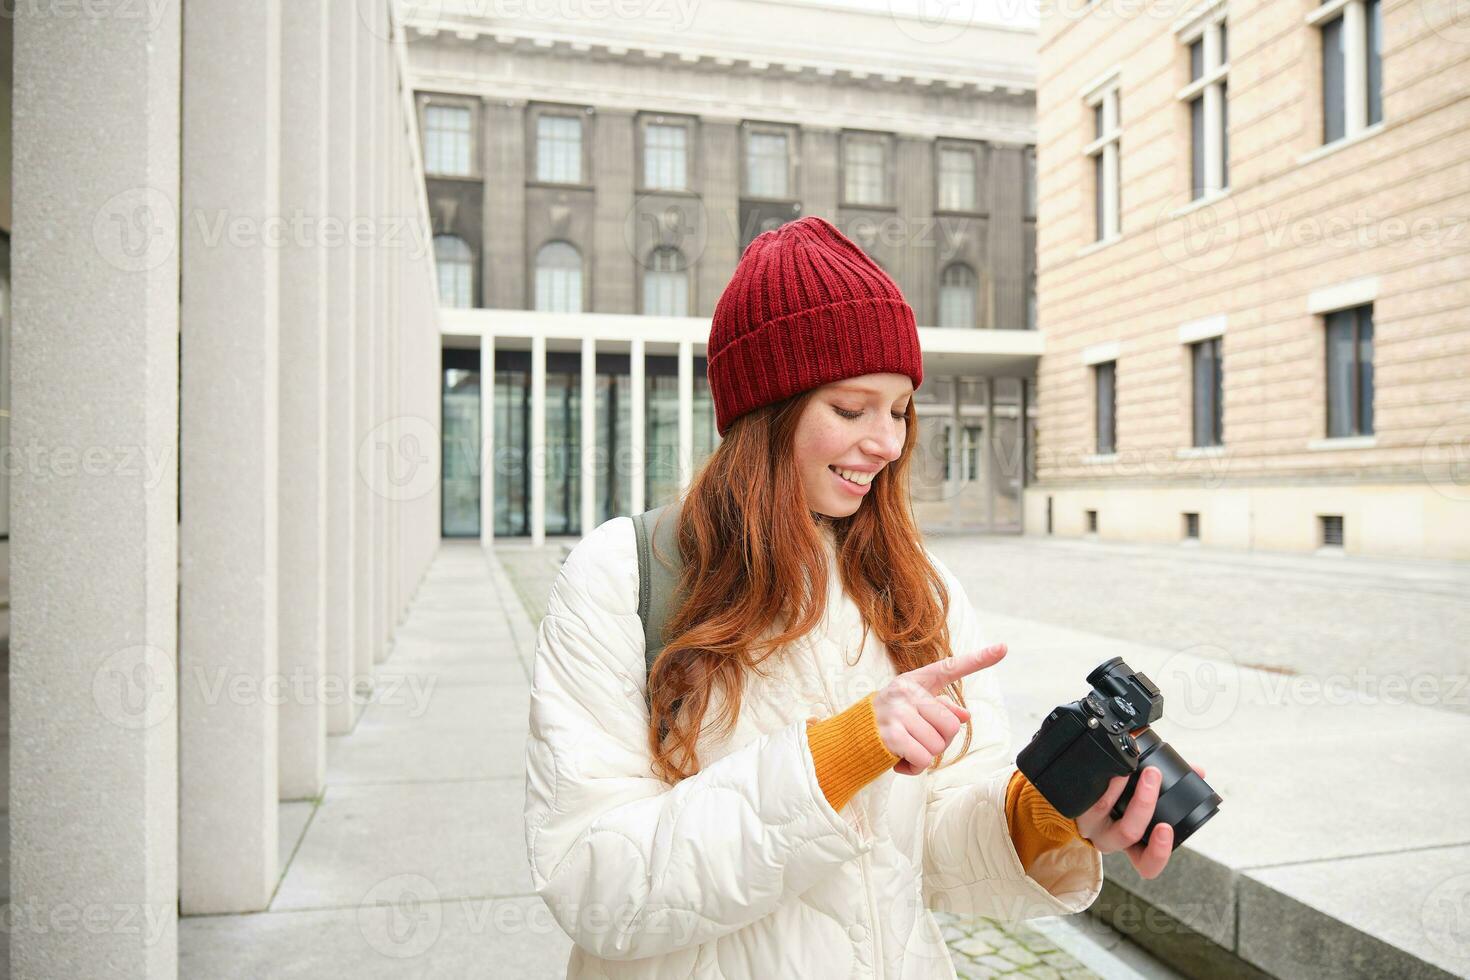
(1082, 745)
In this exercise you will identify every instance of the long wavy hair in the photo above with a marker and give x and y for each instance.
(753, 560)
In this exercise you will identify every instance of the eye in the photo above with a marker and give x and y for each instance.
(900, 416)
(845, 413)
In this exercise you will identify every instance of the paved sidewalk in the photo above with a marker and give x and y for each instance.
(412, 863)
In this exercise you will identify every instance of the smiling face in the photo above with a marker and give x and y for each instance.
(856, 425)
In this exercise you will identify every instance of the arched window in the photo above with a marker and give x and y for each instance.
(666, 283)
(957, 297)
(559, 278)
(455, 262)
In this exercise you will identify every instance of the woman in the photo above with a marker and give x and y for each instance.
(777, 796)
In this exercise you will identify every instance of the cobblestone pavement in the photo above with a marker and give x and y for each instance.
(979, 947)
(1375, 627)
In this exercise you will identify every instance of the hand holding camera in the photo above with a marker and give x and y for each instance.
(1098, 761)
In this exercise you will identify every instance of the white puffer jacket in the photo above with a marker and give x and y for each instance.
(744, 870)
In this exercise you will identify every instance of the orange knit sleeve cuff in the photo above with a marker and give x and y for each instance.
(1035, 825)
(847, 751)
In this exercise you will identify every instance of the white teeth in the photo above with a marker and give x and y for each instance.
(854, 476)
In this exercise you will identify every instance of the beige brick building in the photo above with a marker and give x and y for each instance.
(1253, 262)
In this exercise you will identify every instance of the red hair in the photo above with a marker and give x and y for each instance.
(749, 542)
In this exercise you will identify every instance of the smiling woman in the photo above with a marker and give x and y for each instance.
(808, 756)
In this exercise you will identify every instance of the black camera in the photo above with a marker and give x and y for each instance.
(1082, 745)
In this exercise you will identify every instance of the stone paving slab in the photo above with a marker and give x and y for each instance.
(465, 839)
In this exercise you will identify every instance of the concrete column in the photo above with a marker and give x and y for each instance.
(537, 461)
(228, 457)
(991, 474)
(686, 414)
(303, 510)
(94, 548)
(916, 268)
(589, 435)
(364, 217)
(639, 452)
(487, 440)
(343, 483)
(382, 411)
(816, 171)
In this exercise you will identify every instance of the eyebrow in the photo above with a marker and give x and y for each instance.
(866, 391)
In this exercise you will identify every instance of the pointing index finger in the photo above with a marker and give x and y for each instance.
(933, 677)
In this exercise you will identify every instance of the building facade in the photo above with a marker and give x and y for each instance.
(1254, 270)
(592, 185)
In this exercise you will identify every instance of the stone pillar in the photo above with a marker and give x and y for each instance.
(364, 218)
(537, 460)
(637, 438)
(686, 414)
(303, 510)
(94, 546)
(228, 533)
(589, 435)
(487, 439)
(343, 615)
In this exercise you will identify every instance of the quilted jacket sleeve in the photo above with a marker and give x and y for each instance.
(970, 862)
(629, 866)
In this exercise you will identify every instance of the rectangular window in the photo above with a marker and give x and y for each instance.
(1104, 151)
(1028, 178)
(559, 149)
(864, 170)
(1191, 525)
(767, 165)
(447, 140)
(1352, 66)
(1350, 372)
(1209, 393)
(1205, 97)
(665, 157)
(1334, 83)
(1105, 405)
(1330, 529)
(1091, 522)
(956, 179)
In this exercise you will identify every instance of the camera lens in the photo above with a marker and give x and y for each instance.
(1186, 801)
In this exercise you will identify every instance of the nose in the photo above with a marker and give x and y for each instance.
(885, 439)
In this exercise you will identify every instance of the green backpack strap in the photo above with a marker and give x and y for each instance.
(659, 566)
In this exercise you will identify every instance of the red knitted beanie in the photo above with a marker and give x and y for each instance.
(805, 307)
